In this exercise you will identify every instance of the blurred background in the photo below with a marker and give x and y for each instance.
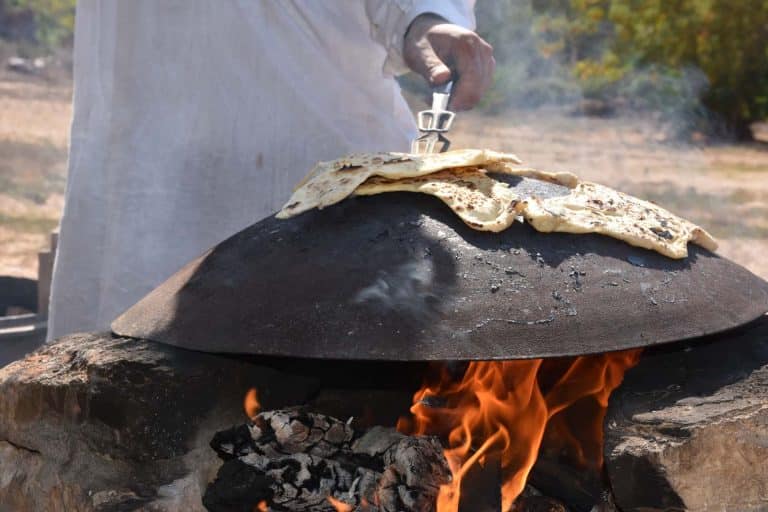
(664, 99)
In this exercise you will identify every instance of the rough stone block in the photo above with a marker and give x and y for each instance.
(96, 422)
(688, 428)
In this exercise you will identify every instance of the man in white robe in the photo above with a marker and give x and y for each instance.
(194, 119)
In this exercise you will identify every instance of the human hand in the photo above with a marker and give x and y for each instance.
(440, 51)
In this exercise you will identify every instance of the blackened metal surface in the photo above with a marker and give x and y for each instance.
(399, 277)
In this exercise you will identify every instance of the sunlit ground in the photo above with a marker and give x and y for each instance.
(34, 133)
(722, 187)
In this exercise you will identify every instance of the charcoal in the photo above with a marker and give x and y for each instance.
(299, 458)
(538, 504)
(237, 485)
(233, 442)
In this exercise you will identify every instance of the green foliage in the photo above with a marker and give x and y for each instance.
(53, 20)
(611, 46)
(726, 39)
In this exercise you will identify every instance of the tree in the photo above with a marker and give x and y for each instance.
(726, 39)
(608, 43)
(54, 20)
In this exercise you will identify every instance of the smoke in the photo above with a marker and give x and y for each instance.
(673, 96)
(540, 64)
(407, 290)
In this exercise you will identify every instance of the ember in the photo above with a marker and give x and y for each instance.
(339, 505)
(507, 408)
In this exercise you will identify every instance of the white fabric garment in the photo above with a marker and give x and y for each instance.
(194, 119)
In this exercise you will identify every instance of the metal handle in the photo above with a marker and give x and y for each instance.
(443, 89)
(435, 121)
(441, 94)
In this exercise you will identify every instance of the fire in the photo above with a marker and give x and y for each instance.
(251, 403)
(261, 507)
(339, 505)
(508, 407)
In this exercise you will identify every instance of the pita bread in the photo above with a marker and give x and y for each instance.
(593, 208)
(482, 202)
(330, 182)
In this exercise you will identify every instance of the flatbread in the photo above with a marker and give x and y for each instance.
(330, 182)
(593, 208)
(482, 202)
(464, 181)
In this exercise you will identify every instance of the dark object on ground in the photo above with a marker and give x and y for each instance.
(594, 108)
(688, 428)
(400, 277)
(17, 292)
(21, 329)
(19, 336)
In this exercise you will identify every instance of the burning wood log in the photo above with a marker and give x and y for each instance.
(292, 459)
(481, 486)
(535, 503)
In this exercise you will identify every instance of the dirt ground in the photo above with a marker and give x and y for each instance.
(722, 187)
(34, 133)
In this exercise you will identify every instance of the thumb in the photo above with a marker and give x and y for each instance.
(435, 70)
(422, 59)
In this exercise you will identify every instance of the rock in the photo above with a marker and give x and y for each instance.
(96, 422)
(688, 428)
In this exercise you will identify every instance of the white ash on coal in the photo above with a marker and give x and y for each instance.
(291, 459)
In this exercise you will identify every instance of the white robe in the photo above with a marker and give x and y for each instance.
(194, 118)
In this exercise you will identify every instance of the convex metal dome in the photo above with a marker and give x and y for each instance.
(400, 277)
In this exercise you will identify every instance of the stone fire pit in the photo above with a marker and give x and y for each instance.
(98, 422)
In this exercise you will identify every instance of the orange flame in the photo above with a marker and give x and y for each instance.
(339, 505)
(261, 507)
(507, 407)
(251, 403)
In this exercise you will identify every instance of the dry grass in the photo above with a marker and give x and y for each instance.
(724, 188)
(34, 133)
